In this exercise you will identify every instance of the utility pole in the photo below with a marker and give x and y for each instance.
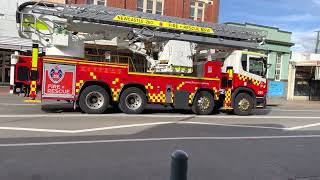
(317, 51)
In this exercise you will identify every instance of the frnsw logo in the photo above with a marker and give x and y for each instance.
(56, 74)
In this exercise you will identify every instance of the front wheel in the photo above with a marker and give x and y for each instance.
(132, 101)
(243, 104)
(203, 103)
(94, 100)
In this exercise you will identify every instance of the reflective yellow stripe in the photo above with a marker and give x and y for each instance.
(35, 52)
(84, 62)
(230, 71)
(165, 24)
(184, 77)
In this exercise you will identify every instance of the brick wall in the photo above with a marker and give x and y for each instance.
(176, 8)
(181, 8)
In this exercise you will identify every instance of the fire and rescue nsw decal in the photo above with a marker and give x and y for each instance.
(58, 81)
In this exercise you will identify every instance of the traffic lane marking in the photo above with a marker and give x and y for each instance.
(157, 140)
(253, 126)
(303, 127)
(152, 124)
(83, 130)
(289, 110)
(231, 125)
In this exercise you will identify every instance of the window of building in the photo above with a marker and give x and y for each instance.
(277, 75)
(97, 2)
(151, 6)
(197, 9)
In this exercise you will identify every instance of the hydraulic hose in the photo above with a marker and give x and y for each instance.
(29, 3)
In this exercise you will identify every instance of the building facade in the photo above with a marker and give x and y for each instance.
(304, 77)
(278, 48)
(202, 10)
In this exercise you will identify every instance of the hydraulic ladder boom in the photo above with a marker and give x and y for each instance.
(167, 43)
(150, 25)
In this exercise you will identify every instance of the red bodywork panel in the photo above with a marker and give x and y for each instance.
(116, 76)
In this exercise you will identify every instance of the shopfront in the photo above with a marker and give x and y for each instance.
(5, 67)
(304, 83)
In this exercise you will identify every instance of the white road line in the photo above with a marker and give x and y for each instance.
(290, 110)
(35, 129)
(231, 125)
(155, 116)
(303, 127)
(156, 139)
(258, 117)
(83, 130)
(94, 115)
(121, 126)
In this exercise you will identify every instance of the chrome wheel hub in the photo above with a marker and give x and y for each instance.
(94, 100)
(133, 101)
(203, 103)
(244, 104)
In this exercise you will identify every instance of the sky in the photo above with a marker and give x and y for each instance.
(301, 17)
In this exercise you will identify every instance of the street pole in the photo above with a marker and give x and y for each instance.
(317, 51)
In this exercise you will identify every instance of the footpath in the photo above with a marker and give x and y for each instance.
(4, 90)
(282, 102)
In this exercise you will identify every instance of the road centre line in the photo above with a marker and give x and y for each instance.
(151, 124)
(303, 127)
(290, 110)
(157, 139)
(231, 125)
(84, 130)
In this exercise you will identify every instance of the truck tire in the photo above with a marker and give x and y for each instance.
(243, 104)
(94, 100)
(132, 101)
(203, 103)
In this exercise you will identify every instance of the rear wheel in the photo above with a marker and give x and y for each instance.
(132, 101)
(203, 103)
(94, 100)
(243, 104)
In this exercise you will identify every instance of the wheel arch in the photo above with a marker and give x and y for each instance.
(243, 90)
(136, 85)
(98, 83)
(201, 90)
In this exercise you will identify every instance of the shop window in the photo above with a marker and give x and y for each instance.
(151, 6)
(302, 81)
(278, 67)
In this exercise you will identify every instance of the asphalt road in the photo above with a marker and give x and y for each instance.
(50, 141)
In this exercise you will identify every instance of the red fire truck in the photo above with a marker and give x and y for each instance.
(180, 69)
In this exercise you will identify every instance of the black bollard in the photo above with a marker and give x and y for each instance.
(179, 165)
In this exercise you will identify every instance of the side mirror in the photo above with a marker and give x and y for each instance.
(268, 66)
